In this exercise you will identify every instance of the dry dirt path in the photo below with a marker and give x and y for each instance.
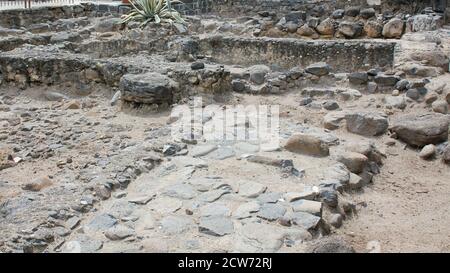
(407, 207)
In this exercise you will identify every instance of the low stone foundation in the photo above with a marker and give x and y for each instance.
(343, 56)
(24, 17)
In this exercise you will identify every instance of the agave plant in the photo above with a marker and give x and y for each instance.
(158, 11)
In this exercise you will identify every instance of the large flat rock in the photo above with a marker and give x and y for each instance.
(422, 129)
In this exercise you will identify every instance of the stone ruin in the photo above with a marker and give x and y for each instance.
(86, 94)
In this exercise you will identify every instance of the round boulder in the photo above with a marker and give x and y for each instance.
(394, 28)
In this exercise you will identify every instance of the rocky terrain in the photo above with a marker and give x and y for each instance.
(89, 161)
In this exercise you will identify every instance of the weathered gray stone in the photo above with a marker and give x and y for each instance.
(201, 150)
(141, 199)
(338, 14)
(214, 209)
(260, 237)
(355, 182)
(395, 102)
(213, 195)
(295, 16)
(108, 25)
(182, 191)
(100, 222)
(332, 120)
(440, 106)
(330, 105)
(176, 224)
(269, 197)
(73, 222)
(222, 153)
(149, 87)
(258, 73)
(271, 212)
(352, 11)
(164, 205)
(304, 219)
(350, 29)
(413, 94)
(246, 209)
(82, 244)
(338, 172)
(386, 80)
(367, 124)
(422, 129)
(318, 69)
(367, 13)
(197, 65)
(238, 85)
(312, 207)
(329, 197)
(216, 225)
(119, 232)
(308, 194)
(251, 189)
(55, 96)
(358, 78)
(145, 222)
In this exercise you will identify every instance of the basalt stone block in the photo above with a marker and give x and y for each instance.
(296, 16)
(422, 129)
(147, 88)
(350, 29)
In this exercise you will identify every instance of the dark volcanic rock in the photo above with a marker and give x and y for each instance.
(147, 88)
(422, 129)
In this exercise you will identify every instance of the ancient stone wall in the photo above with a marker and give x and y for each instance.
(24, 17)
(343, 56)
(313, 7)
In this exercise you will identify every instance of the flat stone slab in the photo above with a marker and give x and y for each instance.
(182, 191)
(222, 153)
(141, 199)
(422, 129)
(304, 219)
(176, 224)
(269, 197)
(251, 189)
(271, 212)
(308, 194)
(216, 225)
(207, 184)
(213, 195)
(201, 150)
(245, 210)
(164, 205)
(101, 222)
(82, 244)
(266, 238)
(312, 207)
(214, 210)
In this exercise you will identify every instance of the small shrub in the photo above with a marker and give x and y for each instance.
(158, 11)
